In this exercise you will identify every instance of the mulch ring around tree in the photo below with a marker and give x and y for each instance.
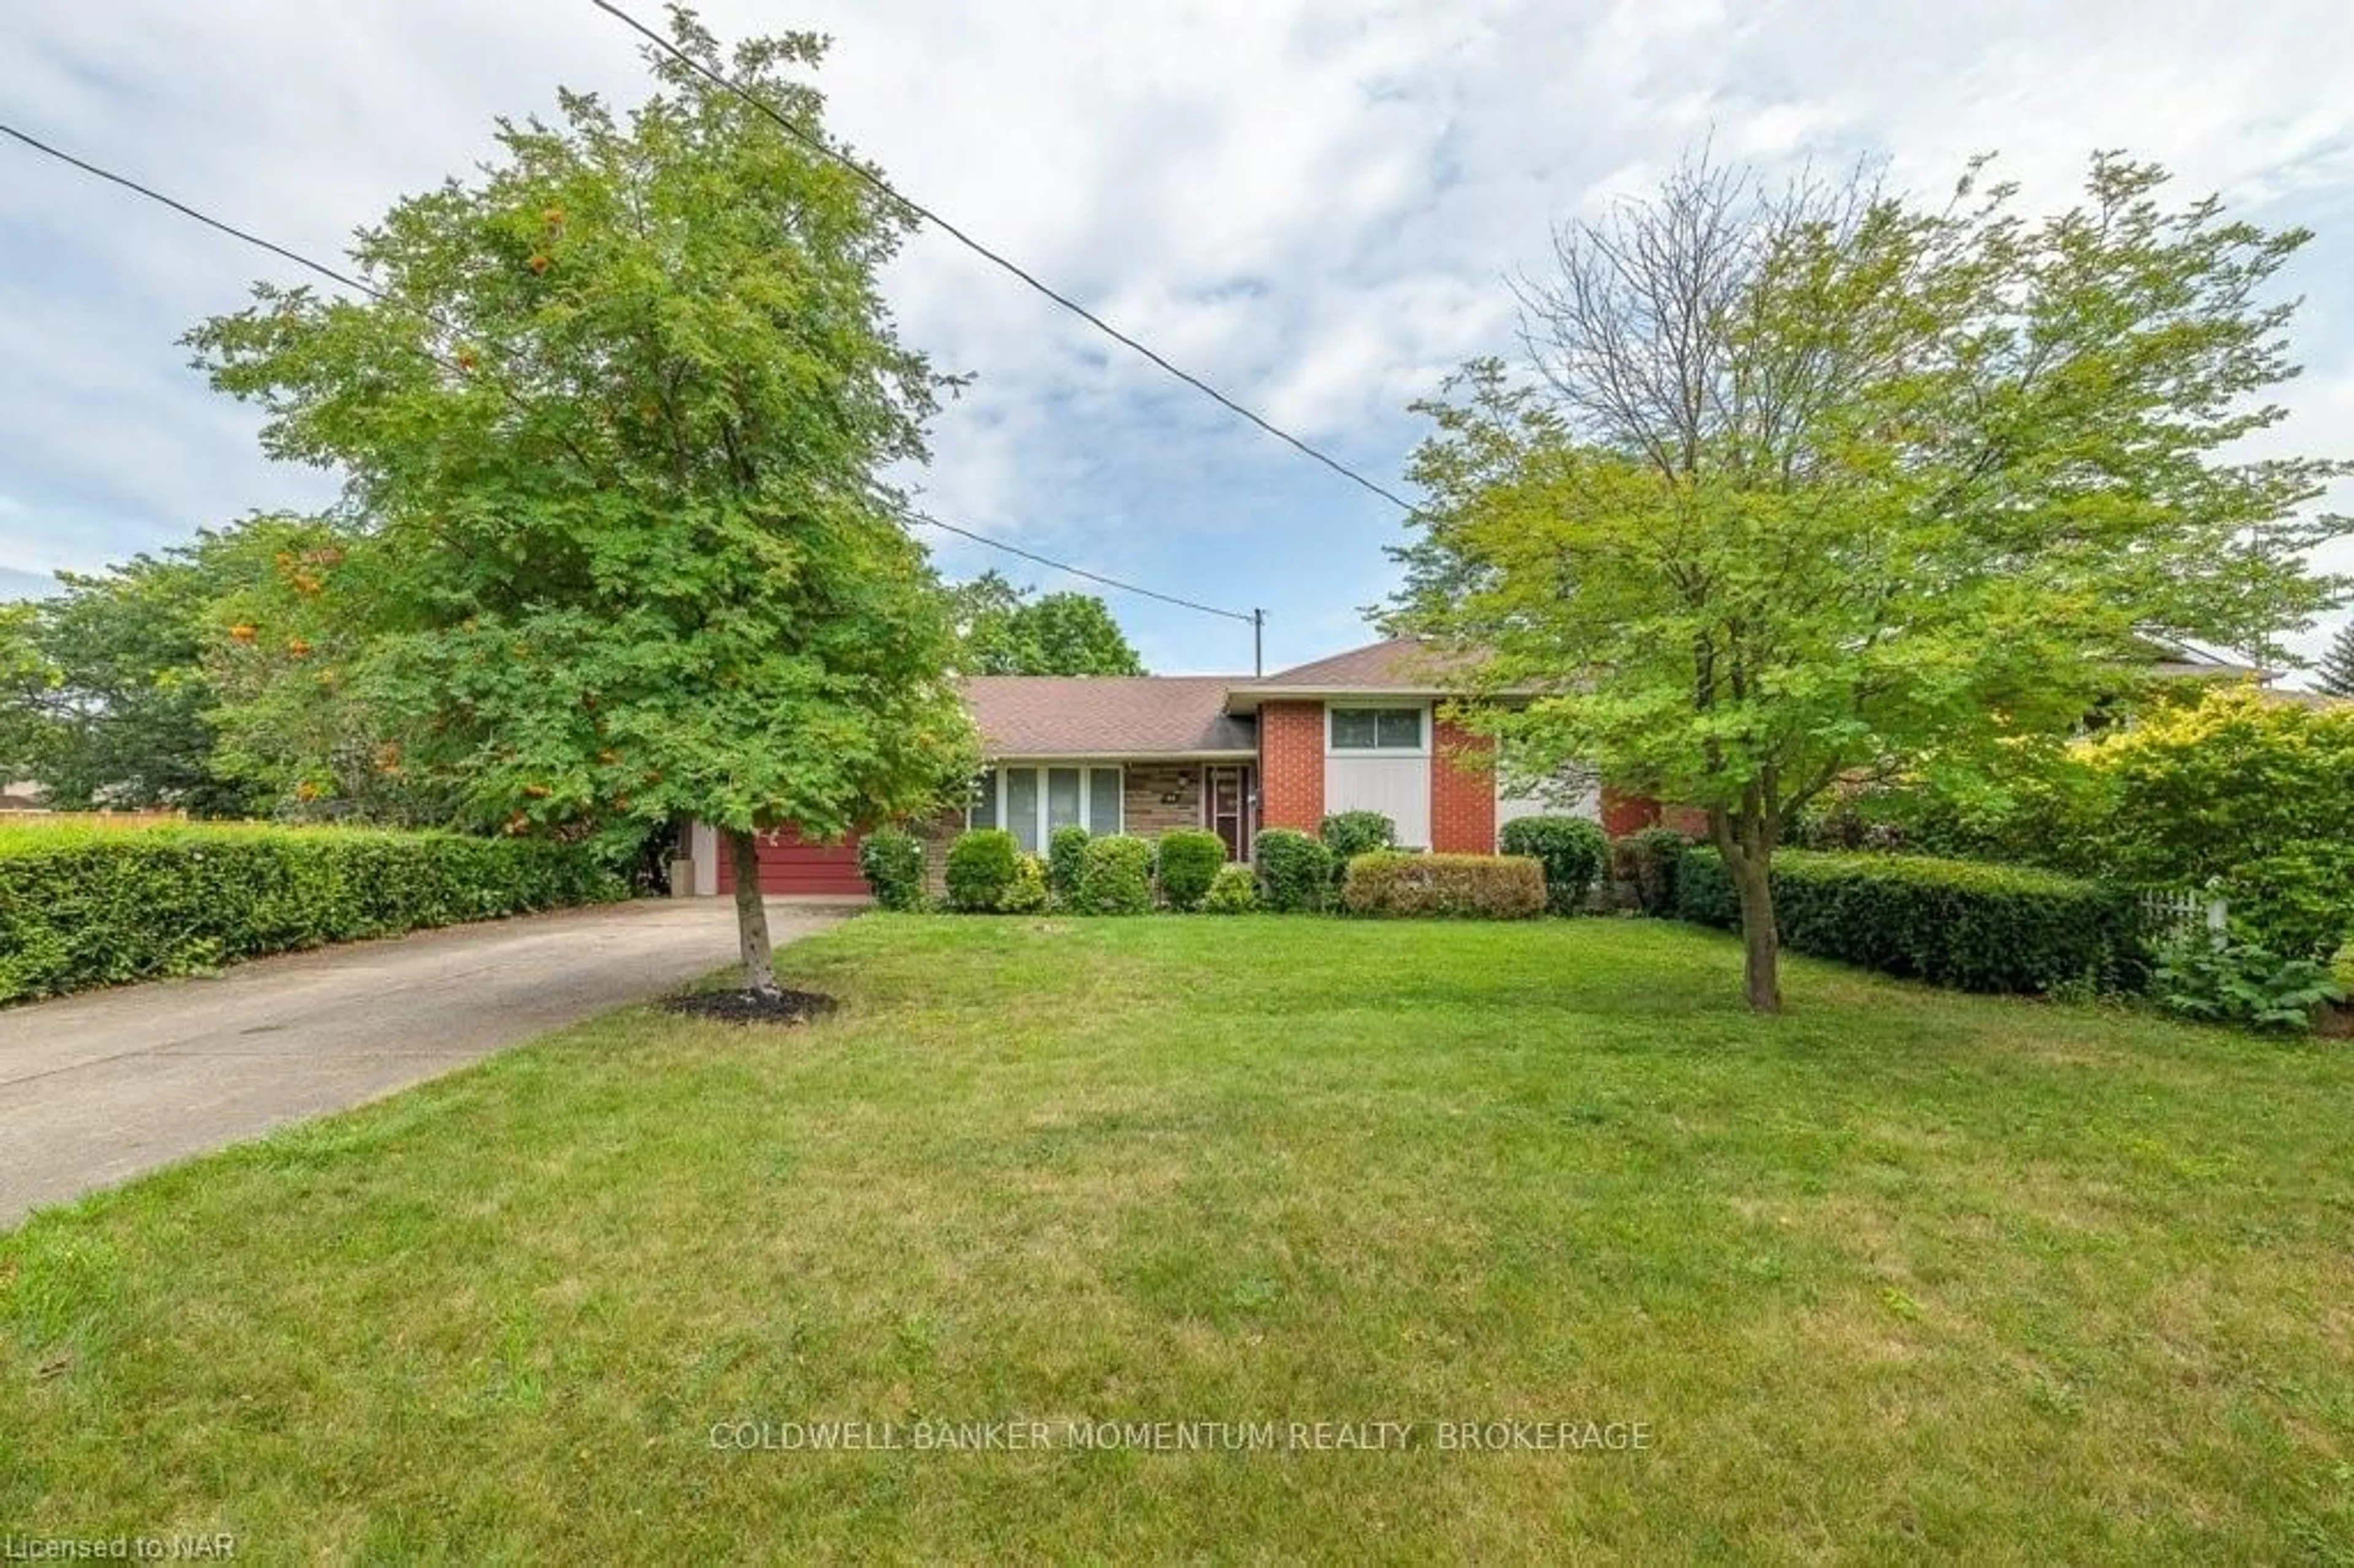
(751, 1006)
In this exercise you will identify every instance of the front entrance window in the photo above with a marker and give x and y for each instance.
(1032, 802)
(1021, 807)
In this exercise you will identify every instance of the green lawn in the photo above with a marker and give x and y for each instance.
(1900, 1274)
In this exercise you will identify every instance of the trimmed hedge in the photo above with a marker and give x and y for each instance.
(1966, 924)
(1233, 890)
(1188, 859)
(1066, 847)
(892, 862)
(84, 908)
(1480, 886)
(983, 863)
(1295, 872)
(1115, 876)
(1571, 850)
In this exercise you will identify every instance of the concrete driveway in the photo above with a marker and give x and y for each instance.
(97, 1089)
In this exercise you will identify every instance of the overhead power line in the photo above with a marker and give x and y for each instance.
(912, 515)
(185, 210)
(333, 274)
(824, 149)
(1255, 619)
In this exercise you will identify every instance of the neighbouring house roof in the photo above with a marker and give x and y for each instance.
(1399, 666)
(1106, 717)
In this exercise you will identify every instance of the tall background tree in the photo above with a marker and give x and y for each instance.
(2336, 672)
(25, 678)
(1004, 631)
(1817, 484)
(109, 694)
(611, 435)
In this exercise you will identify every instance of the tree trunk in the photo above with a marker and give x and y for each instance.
(1761, 958)
(751, 914)
(1746, 845)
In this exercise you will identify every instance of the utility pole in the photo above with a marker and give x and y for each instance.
(1258, 655)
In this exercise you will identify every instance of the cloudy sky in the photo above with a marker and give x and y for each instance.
(1312, 204)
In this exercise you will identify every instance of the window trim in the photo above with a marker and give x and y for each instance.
(1421, 747)
(1087, 768)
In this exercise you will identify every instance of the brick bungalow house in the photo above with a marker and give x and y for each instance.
(1234, 754)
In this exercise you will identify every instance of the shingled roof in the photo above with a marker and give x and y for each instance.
(1106, 715)
(1399, 664)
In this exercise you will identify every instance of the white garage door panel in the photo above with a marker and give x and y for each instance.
(1396, 787)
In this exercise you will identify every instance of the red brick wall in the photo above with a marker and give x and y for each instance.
(1462, 799)
(1623, 814)
(1291, 765)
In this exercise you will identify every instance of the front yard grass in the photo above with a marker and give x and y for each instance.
(1903, 1274)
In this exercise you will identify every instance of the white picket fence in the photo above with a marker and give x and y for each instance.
(2176, 913)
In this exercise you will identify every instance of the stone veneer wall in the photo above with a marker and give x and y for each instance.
(1147, 782)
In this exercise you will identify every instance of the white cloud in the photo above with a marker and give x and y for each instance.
(1311, 202)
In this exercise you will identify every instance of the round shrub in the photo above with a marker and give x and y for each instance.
(982, 865)
(1295, 872)
(1233, 890)
(892, 862)
(1644, 860)
(1349, 834)
(1190, 859)
(1026, 894)
(1066, 847)
(1115, 878)
(1569, 848)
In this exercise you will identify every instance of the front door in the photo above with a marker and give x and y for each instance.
(1225, 801)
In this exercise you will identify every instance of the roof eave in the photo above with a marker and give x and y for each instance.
(1246, 699)
(992, 756)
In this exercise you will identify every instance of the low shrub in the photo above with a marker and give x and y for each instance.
(1233, 890)
(1966, 924)
(892, 862)
(1349, 834)
(1295, 872)
(982, 865)
(1570, 851)
(1480, 886)
(1189, 860)
(1026, 894)
(1066, 847)
(1115, 876)
(2219, 981)
(82, 908)
(1645, 863)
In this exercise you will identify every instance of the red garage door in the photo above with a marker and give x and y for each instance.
(787, 865)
